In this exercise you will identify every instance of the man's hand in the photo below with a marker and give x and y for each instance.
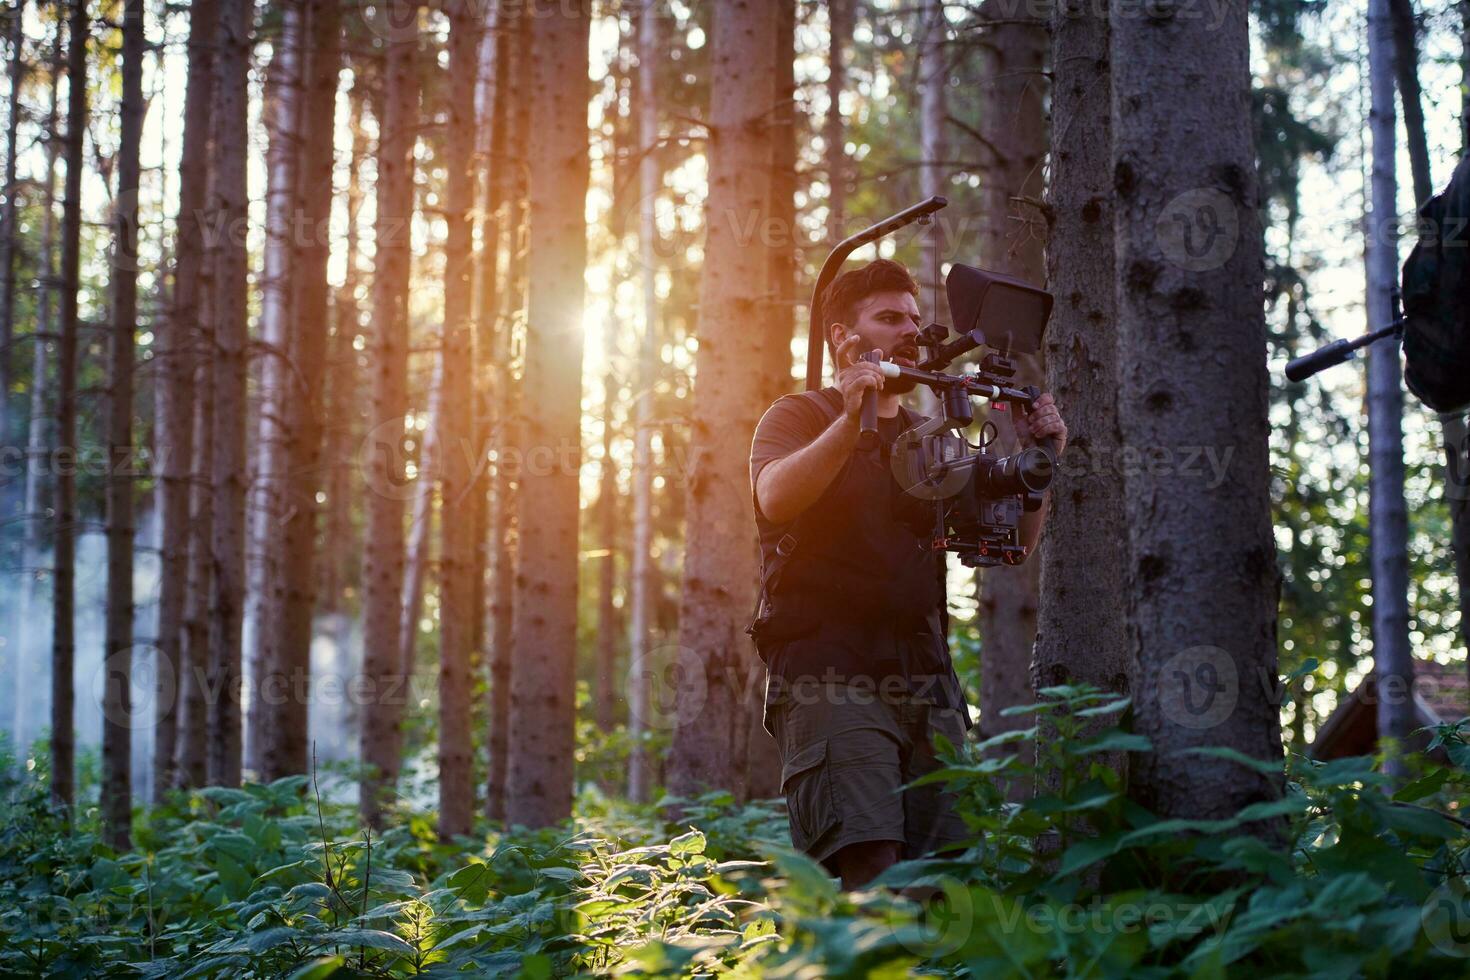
(1043, 420)
(854, 377)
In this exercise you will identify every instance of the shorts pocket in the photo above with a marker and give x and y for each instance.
(807, 785)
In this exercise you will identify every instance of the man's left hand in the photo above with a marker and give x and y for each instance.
(1043, 420)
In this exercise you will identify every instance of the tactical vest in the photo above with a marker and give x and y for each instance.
(853, 558)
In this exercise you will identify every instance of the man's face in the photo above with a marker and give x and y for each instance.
(890, 323)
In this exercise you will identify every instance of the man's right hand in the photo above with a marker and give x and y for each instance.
(855, 377)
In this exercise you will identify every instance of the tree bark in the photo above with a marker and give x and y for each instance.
(457, 611)
(543, 699)
(1081, 636)
(716, 662)
(933, 149)
(266, 509)
(289, 627)
(1388, 521)
(383, 541)
(1192, 342)
(63, 629)
(231, 337)
(15, 28)
(763, 763)
(834, 139)
(36, 452)
(1013, 104)
(175, 356)
(605, 701)
(514, 71)
(117, 705)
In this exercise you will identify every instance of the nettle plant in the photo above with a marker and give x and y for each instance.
(1064, 877)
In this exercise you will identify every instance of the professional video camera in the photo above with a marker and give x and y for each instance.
(971, 498)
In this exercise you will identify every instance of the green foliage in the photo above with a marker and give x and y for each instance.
(1339, 877)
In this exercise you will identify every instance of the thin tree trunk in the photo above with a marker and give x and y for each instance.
(763, 765)
(1080, 632)
(514, 71)
(457, 612)
(288, 640)
(117, 749)
(63, 629)
(1013, 104)
(933, 150)
(543, 699)
(343, 431)
(266, 509)
(229, 201)
(1202, 578)
(834, 137)
(1406, 69)
(420, 543)
(27, 667)
(1388, 521)
(175, 357)
(604, 705)
(383, 541)
(490, 125)
(15, 18)
(720, 564)
(642, 585)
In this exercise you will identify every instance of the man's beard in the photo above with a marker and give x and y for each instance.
(898, 386)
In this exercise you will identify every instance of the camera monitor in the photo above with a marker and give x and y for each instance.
(1010, 312)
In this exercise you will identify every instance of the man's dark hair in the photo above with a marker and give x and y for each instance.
(841, 299)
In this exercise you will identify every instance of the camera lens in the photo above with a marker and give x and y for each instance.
(1028, 471)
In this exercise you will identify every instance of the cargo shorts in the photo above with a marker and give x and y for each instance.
(846, 754)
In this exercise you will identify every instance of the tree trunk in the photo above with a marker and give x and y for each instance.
(266, 510)
(36, 452)
(15, 28)
(175, 356)
(383, 539)
(288, 629)
(343, 430)
(1406, 69)
(763, 764)
(543, 699)
(1013, 106)
(933, 149)
(117, 705)
(1202, 577)
(834, 137)
(642, 585)
(63, 628)
(420, 544)
(514, 70)
(231, 338)
(457, 611)
(1080, 631)
(1388, 521)
(605, 702)
(720, 564)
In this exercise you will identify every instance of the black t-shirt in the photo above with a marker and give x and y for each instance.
(855, 526)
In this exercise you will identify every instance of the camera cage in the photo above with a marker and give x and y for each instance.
(989, 309)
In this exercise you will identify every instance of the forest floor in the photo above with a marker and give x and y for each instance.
(1335, 878)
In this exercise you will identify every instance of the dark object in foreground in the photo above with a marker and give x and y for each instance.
(1435, 322)
(972, 500)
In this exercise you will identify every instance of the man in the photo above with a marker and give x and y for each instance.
(853, 630)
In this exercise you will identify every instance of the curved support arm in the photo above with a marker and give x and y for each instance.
(815, 342)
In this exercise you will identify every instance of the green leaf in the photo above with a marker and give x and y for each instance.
(1114, 741)
(1426, 785)
(687, 845)
(1267, 767)
(271, 938)
(318, 969)
(371, 938)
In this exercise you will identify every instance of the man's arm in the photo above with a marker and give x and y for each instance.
(1043, 421)
(787, 486)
